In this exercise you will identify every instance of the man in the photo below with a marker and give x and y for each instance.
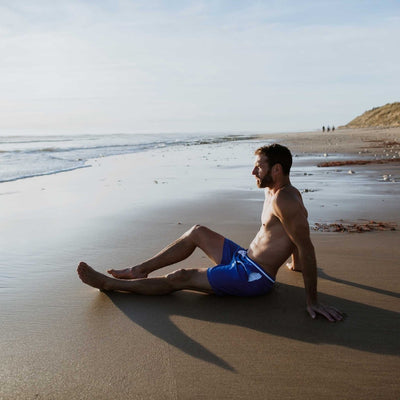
(284, 232)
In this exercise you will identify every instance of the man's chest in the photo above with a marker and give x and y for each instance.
(268, 217)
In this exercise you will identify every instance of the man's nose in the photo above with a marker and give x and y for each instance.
(254, 171)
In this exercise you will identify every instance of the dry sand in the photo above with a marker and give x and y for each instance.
(63, 340)
(367, 141)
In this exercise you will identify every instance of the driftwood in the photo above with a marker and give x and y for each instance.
(355, 227)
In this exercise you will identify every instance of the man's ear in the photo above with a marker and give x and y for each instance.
(277, 169)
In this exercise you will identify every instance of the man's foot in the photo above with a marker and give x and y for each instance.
(91, 277)
(128, 273)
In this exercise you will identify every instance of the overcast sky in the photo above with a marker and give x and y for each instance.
(110, 66)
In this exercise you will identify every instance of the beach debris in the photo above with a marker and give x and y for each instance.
(308, 190)
(379, 143)
(356, 162)
(156, 182)
(388, 178)
(351, 172)
(355, 227)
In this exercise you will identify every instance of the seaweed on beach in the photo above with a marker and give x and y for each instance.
(355, 227)
(223, 139)
(382, 143)
(357, 162)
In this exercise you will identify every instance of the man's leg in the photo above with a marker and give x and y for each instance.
(212, 243)
(192, 279)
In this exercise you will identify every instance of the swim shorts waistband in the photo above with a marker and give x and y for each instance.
(243, 253)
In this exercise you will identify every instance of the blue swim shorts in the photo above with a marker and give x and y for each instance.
(238, 275)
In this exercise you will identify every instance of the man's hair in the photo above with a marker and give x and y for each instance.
(276, 154)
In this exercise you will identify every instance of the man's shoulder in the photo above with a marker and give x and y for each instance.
(287, 194)
(287, 199)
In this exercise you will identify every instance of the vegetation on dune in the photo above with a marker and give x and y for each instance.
(384, 116)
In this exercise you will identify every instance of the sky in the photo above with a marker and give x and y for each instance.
(130, 66)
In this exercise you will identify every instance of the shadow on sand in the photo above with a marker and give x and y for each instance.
(324, 275)
(280, 313)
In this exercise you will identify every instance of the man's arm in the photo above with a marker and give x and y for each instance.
(293, 217)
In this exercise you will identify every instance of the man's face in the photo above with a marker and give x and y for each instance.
(262, 172)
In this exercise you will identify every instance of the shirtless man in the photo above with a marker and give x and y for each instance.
(284, 232)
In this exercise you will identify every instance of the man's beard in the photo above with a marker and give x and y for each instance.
(266, 181)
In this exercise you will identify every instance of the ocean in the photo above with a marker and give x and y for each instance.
(23, 157)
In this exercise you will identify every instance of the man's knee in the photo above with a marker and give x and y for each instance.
(193, 279)
(196, 231)
(180, 277)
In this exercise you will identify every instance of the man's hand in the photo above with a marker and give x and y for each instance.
(292, 267)
(330, 313)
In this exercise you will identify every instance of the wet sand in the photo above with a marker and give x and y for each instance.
(61, 339)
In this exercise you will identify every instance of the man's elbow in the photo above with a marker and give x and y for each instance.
(307, 256)
(306, 248)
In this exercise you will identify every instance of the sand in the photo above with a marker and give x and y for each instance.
(345, 141)
(60, 339)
